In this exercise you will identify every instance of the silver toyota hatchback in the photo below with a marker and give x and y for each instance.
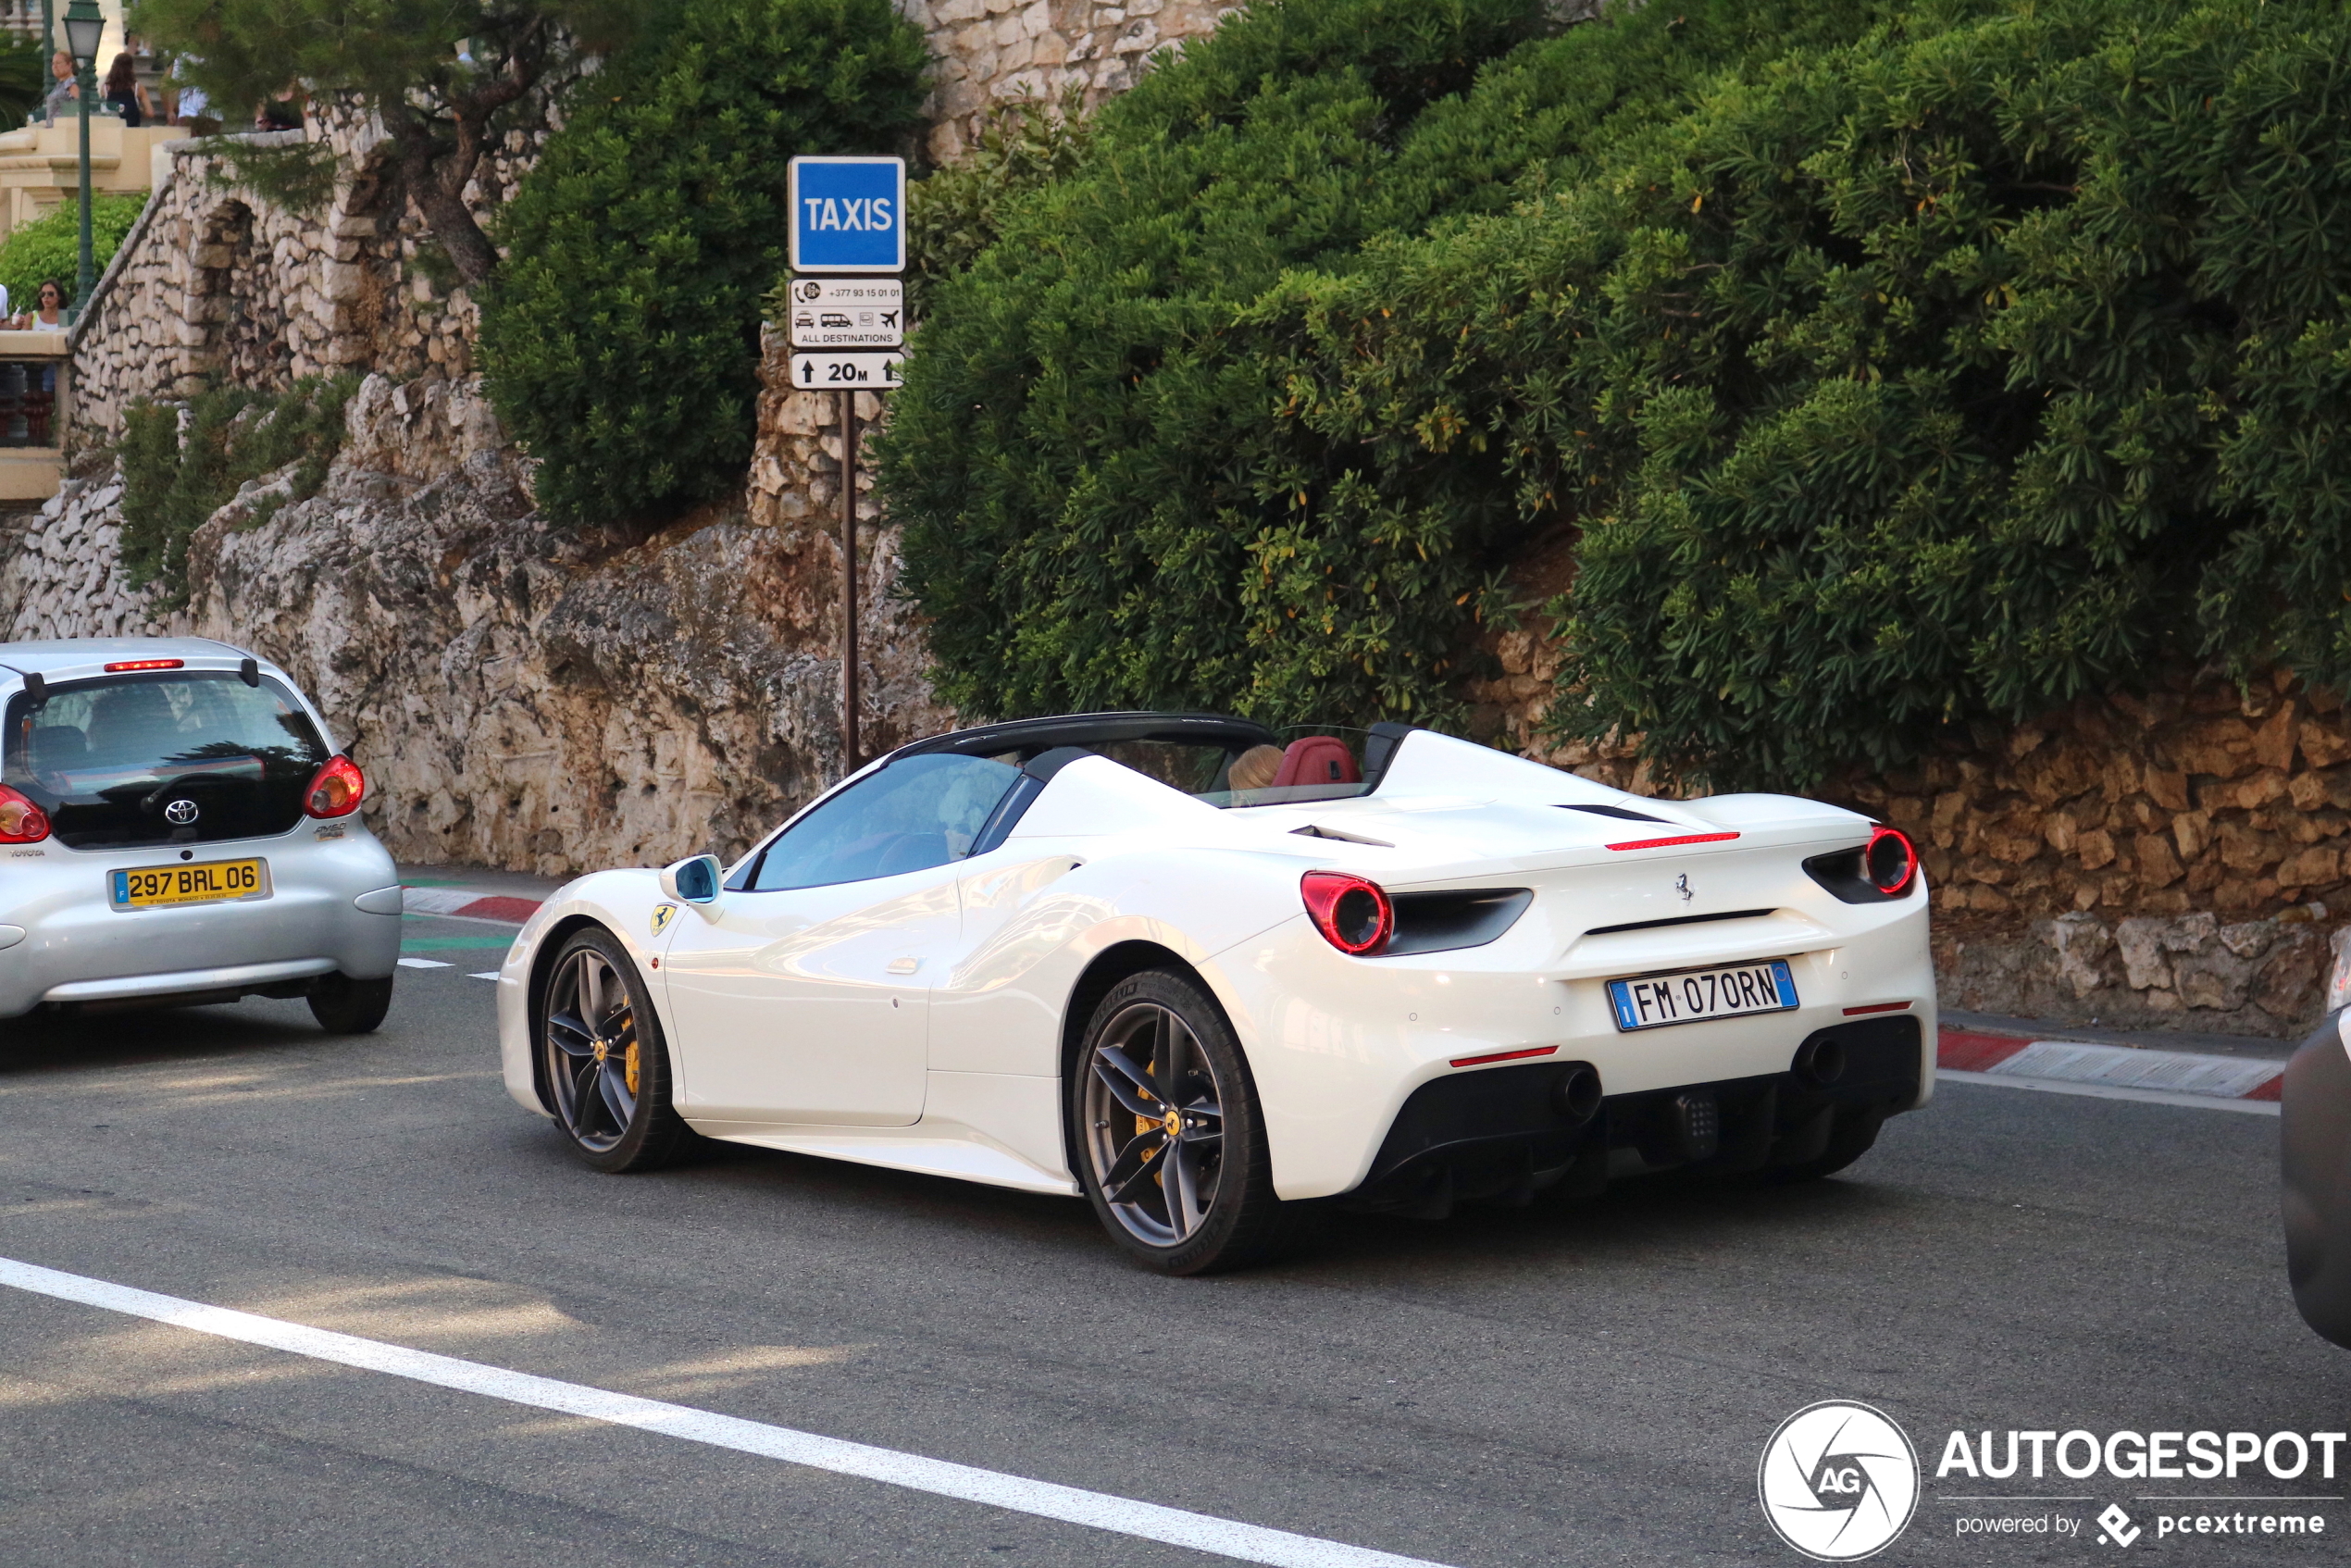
(176, 826)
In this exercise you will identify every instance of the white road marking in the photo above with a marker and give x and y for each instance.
(2106, 1091)
(422, 964)
(1201, 1532)
(483, 974)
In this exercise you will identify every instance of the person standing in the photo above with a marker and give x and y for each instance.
(63, 90)
(282, 112)
(126, 95)
(186, 101)
(49, 316)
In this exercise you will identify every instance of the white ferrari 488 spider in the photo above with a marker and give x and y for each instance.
(1204, 972)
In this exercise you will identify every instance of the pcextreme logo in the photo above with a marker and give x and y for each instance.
(1838, 1481)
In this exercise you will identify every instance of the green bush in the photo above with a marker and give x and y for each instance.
(50, 246)
(1952, 373)
(620, 338)
(173, 481)
(1110, 500)
(1894, 364)
(953, 216)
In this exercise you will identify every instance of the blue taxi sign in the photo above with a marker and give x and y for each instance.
(848, 215)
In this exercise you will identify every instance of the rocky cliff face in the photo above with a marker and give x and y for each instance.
(519, 695)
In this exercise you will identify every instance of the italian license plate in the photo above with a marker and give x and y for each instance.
(1653, 1001)
(213, 882)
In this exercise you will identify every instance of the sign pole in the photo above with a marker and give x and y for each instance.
(847, 582)
(846, 330)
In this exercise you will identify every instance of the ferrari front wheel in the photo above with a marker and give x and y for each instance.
(607, 1066)
(1171, 1147)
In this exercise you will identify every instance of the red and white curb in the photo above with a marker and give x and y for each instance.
(2112, 1072)
(464, 903)
(468, 904)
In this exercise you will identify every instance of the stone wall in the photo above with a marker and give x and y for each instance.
(990, 53)
(218, 282)
(2147, 971)
(2197, 797)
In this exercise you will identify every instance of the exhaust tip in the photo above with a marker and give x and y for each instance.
(1821, 1061)
(1578, 1095)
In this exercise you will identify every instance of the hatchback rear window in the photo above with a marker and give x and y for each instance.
(184, 757)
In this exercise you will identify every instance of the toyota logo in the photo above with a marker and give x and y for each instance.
(179, 813)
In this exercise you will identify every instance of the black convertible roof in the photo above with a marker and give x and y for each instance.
(1033, 736)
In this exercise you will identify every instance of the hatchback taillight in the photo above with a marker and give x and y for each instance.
(1353, 915)
(337, 790)
(21, 822)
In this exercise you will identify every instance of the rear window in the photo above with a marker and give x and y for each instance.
(1312, 763)
(187, 756)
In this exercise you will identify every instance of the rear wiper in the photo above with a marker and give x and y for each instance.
(154, 799)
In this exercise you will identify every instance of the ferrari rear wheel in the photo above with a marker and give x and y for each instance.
(607, 1064)
(1171, 1147)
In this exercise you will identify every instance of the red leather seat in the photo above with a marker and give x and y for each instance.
(1318, 759)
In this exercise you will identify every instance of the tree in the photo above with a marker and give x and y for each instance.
(621, 341)
(441, 74)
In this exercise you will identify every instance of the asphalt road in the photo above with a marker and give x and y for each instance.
(1583, 1384)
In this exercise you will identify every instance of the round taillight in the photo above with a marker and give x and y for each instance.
(21, 822)
(1353, 914)
(1889, 862)
(338, 789)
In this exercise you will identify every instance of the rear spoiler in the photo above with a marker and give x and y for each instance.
(36, 685)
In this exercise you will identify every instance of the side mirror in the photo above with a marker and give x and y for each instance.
(692, 881)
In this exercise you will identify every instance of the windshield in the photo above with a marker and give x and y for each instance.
(921, 812)
(184, 757)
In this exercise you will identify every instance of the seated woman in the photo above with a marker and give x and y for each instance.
(1255, 768)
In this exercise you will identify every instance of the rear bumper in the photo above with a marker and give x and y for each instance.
(80, 950)
(1507, 1132)
(1339, 1046)
(224, 984)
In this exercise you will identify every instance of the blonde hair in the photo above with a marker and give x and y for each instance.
(1255, 768)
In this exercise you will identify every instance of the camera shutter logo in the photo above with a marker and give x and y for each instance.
(1838, 1481)
(179, 813)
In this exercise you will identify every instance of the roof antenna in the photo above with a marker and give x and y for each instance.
(35, 686)
(249, 670)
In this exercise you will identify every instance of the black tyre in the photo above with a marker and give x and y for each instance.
(605, 1063)
(1851, 1137)
(2314, 1143)
(1170, 1144)
(345, 1006)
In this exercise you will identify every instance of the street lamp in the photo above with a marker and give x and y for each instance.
(84, 31)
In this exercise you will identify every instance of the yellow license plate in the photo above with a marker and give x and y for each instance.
(209, 883)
